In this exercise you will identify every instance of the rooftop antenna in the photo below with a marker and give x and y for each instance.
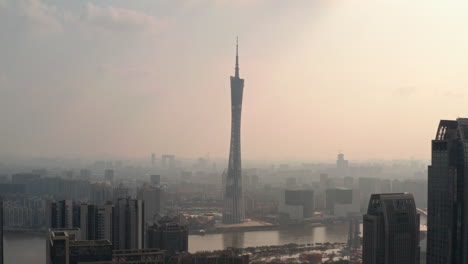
(237, 57)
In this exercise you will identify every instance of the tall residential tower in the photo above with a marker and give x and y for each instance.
(233, 212)
(447, 221)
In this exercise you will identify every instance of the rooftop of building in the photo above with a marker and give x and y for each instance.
(339, 188)
(391, 195)
(88, 243)
(135, 252)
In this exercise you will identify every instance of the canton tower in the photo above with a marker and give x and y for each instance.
(233, 212)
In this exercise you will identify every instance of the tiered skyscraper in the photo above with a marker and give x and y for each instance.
(233, 212)
(447, 222)
(391, 230)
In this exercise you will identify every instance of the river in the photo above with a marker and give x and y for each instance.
(25, 248)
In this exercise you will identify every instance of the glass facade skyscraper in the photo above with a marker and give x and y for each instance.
(447, 222)
(391, 230)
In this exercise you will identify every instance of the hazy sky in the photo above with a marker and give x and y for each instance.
(126, 78)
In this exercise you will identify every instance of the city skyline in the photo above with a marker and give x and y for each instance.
(134, 87)
(116, 116)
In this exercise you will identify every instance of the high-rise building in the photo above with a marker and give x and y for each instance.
(354, 240)
(367, 186)
(152, 196)
(342, 201)
(128, 224)
(233, 203)
(96, 222)
(391, 230)
(12, 188)
(168, 234)
(348, 182)
(291, 183)
(186, 175)
(155, 179)
(153, 160)
(254, 181)
(341, 165)
(68, 174)
(447, 221)
(418, 187)
(120, 192)
(109, 175)
(64, 214)
(85, 174)
(168, 162)
(100, 193)
(1, 230)
(324, 181)
(42, 172)
(24, 178)
(385, 186)
(297, 204)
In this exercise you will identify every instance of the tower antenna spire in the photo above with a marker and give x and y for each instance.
(237, 57)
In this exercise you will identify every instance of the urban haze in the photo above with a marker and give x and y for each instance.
(233, 131)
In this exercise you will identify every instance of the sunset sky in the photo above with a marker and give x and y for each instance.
(371, 78)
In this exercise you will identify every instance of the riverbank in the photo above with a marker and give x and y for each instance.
(250, 228)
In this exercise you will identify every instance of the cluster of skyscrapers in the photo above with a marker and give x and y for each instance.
(391, 225)
(121, 223)
(107, 229)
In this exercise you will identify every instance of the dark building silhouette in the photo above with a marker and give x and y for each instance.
(391, 230)
(64, 214)
(155, 179)
(168, 234)
(128, 224)
(233, 203)
(12, 188)
(65, 246)
(341, 165)
(120, 192)
(301, 197)
(24, 178)
(1, 230)
(168, 162)
(153, 159)
(85, 174)
(96, 222)
(121, 223)
(337, 196)
(109, 175)
(447, 222)
(152, 196)
(354, 240)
